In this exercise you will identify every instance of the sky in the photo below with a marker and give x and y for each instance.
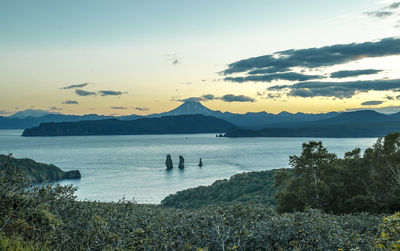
(141, 57)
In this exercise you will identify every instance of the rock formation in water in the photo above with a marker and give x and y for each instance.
(168, 162)
(181, 162)
(200, 163)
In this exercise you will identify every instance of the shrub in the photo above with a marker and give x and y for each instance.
(389, 233)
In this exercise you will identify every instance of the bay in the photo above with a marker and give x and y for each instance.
(133, 166)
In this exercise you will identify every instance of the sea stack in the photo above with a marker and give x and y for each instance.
(200, 163)
(181, 162)
(168, 162)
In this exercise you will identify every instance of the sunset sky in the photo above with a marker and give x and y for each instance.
(124, 57)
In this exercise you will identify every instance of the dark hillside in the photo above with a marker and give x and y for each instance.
(165, 125)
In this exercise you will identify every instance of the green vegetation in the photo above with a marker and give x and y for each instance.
(36, 172)
(251, 187)
(389, 233)
(320, 180)
(50, 217)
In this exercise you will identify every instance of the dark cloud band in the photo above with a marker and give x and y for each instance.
(141, 109)
(337, 89)
(315, 57)
(110, 93)
(225, 98)
(290, 76)
(118, 107)
(75, 86)
(372, 102)
(70, 102)
(236, 98)
(354, 73)
(84, 93)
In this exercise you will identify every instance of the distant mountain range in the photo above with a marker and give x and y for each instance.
(364, 123)
(182, 124)
(31, 118)
(31, 113)
(250, 119)
(356, 124)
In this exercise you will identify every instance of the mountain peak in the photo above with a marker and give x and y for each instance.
(191, 107)
(31, 113)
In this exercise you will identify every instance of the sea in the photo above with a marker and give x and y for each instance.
(133, 167)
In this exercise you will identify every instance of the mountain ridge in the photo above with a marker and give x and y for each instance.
(251, 120)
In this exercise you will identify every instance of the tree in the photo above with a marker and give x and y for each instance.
(307, 187)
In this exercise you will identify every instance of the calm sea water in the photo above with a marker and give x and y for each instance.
(113, 167)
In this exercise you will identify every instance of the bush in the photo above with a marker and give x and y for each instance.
(36, 218)
(389, 233)
(355, 183)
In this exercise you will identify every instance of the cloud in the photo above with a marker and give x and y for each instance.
(192, 99)
(118, 107)
(84, 93)
(372, 102)
(53, 108)
(274, 95)
(110, 93)
(379, 13)
(142, 109)
(386, 110)
(390, 12)
(70, 102)
(291, 76)
(208, 96)
(236, 98)
(225, 98)
(315, 57)
(337, 89)
(384, 12)
(353, 73)
(394, 5)
(75, 86)
(204, 98)
(271, 69)
(173, 58)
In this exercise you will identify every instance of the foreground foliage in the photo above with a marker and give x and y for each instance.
(35, 171)
(253, 187)
(51, 218)
(237, 216)
(369, 183)
(389, 233)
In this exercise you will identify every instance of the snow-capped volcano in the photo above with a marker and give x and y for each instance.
(192, 107)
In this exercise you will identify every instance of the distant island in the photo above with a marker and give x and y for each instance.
(182, 124)
(36, 172)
